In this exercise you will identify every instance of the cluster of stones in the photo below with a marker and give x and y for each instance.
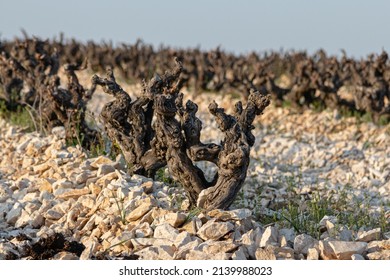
(324, 158)
(47, 187)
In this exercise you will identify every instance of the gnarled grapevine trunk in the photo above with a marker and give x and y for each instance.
(157, 130)
(29, 77)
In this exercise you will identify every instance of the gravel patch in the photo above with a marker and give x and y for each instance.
(95, 210)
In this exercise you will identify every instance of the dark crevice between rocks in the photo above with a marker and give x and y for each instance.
(47, 248)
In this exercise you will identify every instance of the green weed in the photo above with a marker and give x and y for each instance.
(21, 117)
(163, 177)
(193, 213)
(121, 210)
(304, 212)
(286, 104)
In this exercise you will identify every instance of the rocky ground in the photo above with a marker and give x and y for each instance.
(318, 187)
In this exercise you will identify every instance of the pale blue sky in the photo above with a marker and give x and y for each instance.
(359, 27)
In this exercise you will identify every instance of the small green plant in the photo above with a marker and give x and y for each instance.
(121, 209)
(97, 149)
(286, 104)
(367, 117)
(193, 213)
(176, 200)
(364, 117)
(367, 144)
(117, 244)
(304, 216)
(292, 184)
(383, 120)
(163, 177)
(318, 106)
(77, 136)
(361, 216)
(304, 212)
(21, 117)
(102, 146)
(234, 94)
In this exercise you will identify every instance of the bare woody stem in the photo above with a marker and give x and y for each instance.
(157, 130)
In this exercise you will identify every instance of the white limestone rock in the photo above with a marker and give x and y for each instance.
(185, 249)
(166, 231)
(266, 253)
(105, 169)
(303, 242)
(214, 230)
(175, 219)
(200, 255)
(182, 239)
(288, 234)
(5, 192)
(341, 250)
(14, 214)
(59, 132)
(157, 253)
(140, 211)
(143, 230)
(65, 256)
(213, 247)
(269, 237)
(357, 257)
(380, 255)
(251, 241)
(371, 235)
(240, 254)
(313, 254)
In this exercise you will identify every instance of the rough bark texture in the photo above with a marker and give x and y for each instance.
(317, 81)
(157, 130)
(29, 76)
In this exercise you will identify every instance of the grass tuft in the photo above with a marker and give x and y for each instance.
(21, 117)
(303, 212)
